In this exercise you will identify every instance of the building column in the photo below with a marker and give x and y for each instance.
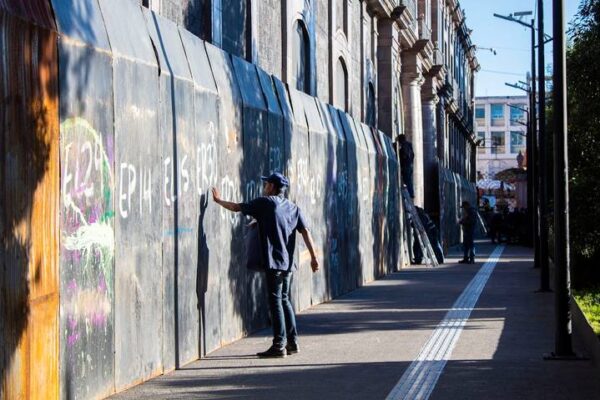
(388, 49)
(430, 159)
(412, 80)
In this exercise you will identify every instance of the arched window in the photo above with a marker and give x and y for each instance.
(341, 85)
(301, 57)
(370, 117)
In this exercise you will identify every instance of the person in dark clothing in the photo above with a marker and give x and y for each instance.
(407, 157)
(468, 222)
(496, 224)
(278, 220)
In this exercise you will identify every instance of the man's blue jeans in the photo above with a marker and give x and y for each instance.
(282, 313)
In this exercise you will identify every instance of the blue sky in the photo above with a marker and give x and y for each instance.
(511, 41)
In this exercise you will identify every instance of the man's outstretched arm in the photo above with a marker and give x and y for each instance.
(235, 207)
(314, 263)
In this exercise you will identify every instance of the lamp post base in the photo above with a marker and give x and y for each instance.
(571, 357)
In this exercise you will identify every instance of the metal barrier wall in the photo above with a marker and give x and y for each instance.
(150, 271)
(454, 189)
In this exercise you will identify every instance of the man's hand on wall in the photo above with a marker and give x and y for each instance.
(216, 195)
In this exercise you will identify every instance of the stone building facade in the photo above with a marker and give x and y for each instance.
(402, 66)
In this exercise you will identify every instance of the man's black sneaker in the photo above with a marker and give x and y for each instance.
(464, 261)
(273, 352)
(292, 348)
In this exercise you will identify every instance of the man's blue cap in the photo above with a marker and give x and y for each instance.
(276, 178)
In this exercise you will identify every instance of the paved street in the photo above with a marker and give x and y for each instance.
(361, 346)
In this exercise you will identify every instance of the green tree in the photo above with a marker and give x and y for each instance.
(583, 70)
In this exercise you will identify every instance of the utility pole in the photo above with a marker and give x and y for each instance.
(563, 340)
(534, 154)
(532, 186)
(543, 157)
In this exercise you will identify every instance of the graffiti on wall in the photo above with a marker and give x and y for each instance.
(87, 229)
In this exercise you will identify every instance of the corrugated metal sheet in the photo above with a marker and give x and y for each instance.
(28, 210)
(38, 12)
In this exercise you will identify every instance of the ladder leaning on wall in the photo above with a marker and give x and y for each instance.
(428, 253)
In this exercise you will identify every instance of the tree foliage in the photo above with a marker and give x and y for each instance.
(583, 69)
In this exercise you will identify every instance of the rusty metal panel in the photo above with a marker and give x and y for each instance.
(38, 12)
(208, 141)
(28, 209)
(138, 222)
(178, 141)
(233, 284)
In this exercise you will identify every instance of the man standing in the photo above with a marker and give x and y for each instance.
(468, 222)
(407, 157)
(278, 220)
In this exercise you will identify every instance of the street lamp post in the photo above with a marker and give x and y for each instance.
(532, 157)
(563, 340)
(543, 157)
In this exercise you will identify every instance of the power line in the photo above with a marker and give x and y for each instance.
(491, 71)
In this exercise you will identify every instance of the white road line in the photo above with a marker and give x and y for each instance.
(419, 380)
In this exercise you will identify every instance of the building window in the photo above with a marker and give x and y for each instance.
(341, 85)
(301, 57)
(480, 112)
(370, 120)
(341, 13)
(517, 142)
(481, 140)
(498, 143)
(497, 113)
(517, 115)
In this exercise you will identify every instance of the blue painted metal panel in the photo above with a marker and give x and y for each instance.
(127, 31)
(255, 163)
(277, 148)
(81, 20)
(198, 61)
(233, 284)
(87, 308)
(138, 223)
(165, 37)
(206, 175)
(180, 205)
(299, 175)
(320, 150)
(354, 277)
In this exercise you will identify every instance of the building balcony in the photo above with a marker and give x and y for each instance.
(438, 65)
(405, 12)
(424, 36)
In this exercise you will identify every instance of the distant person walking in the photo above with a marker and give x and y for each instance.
(278, 220)
(468, 222)
(407, 157)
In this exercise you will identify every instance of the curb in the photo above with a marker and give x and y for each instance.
(582, 327)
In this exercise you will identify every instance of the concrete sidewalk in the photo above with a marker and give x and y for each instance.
(360, 345)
